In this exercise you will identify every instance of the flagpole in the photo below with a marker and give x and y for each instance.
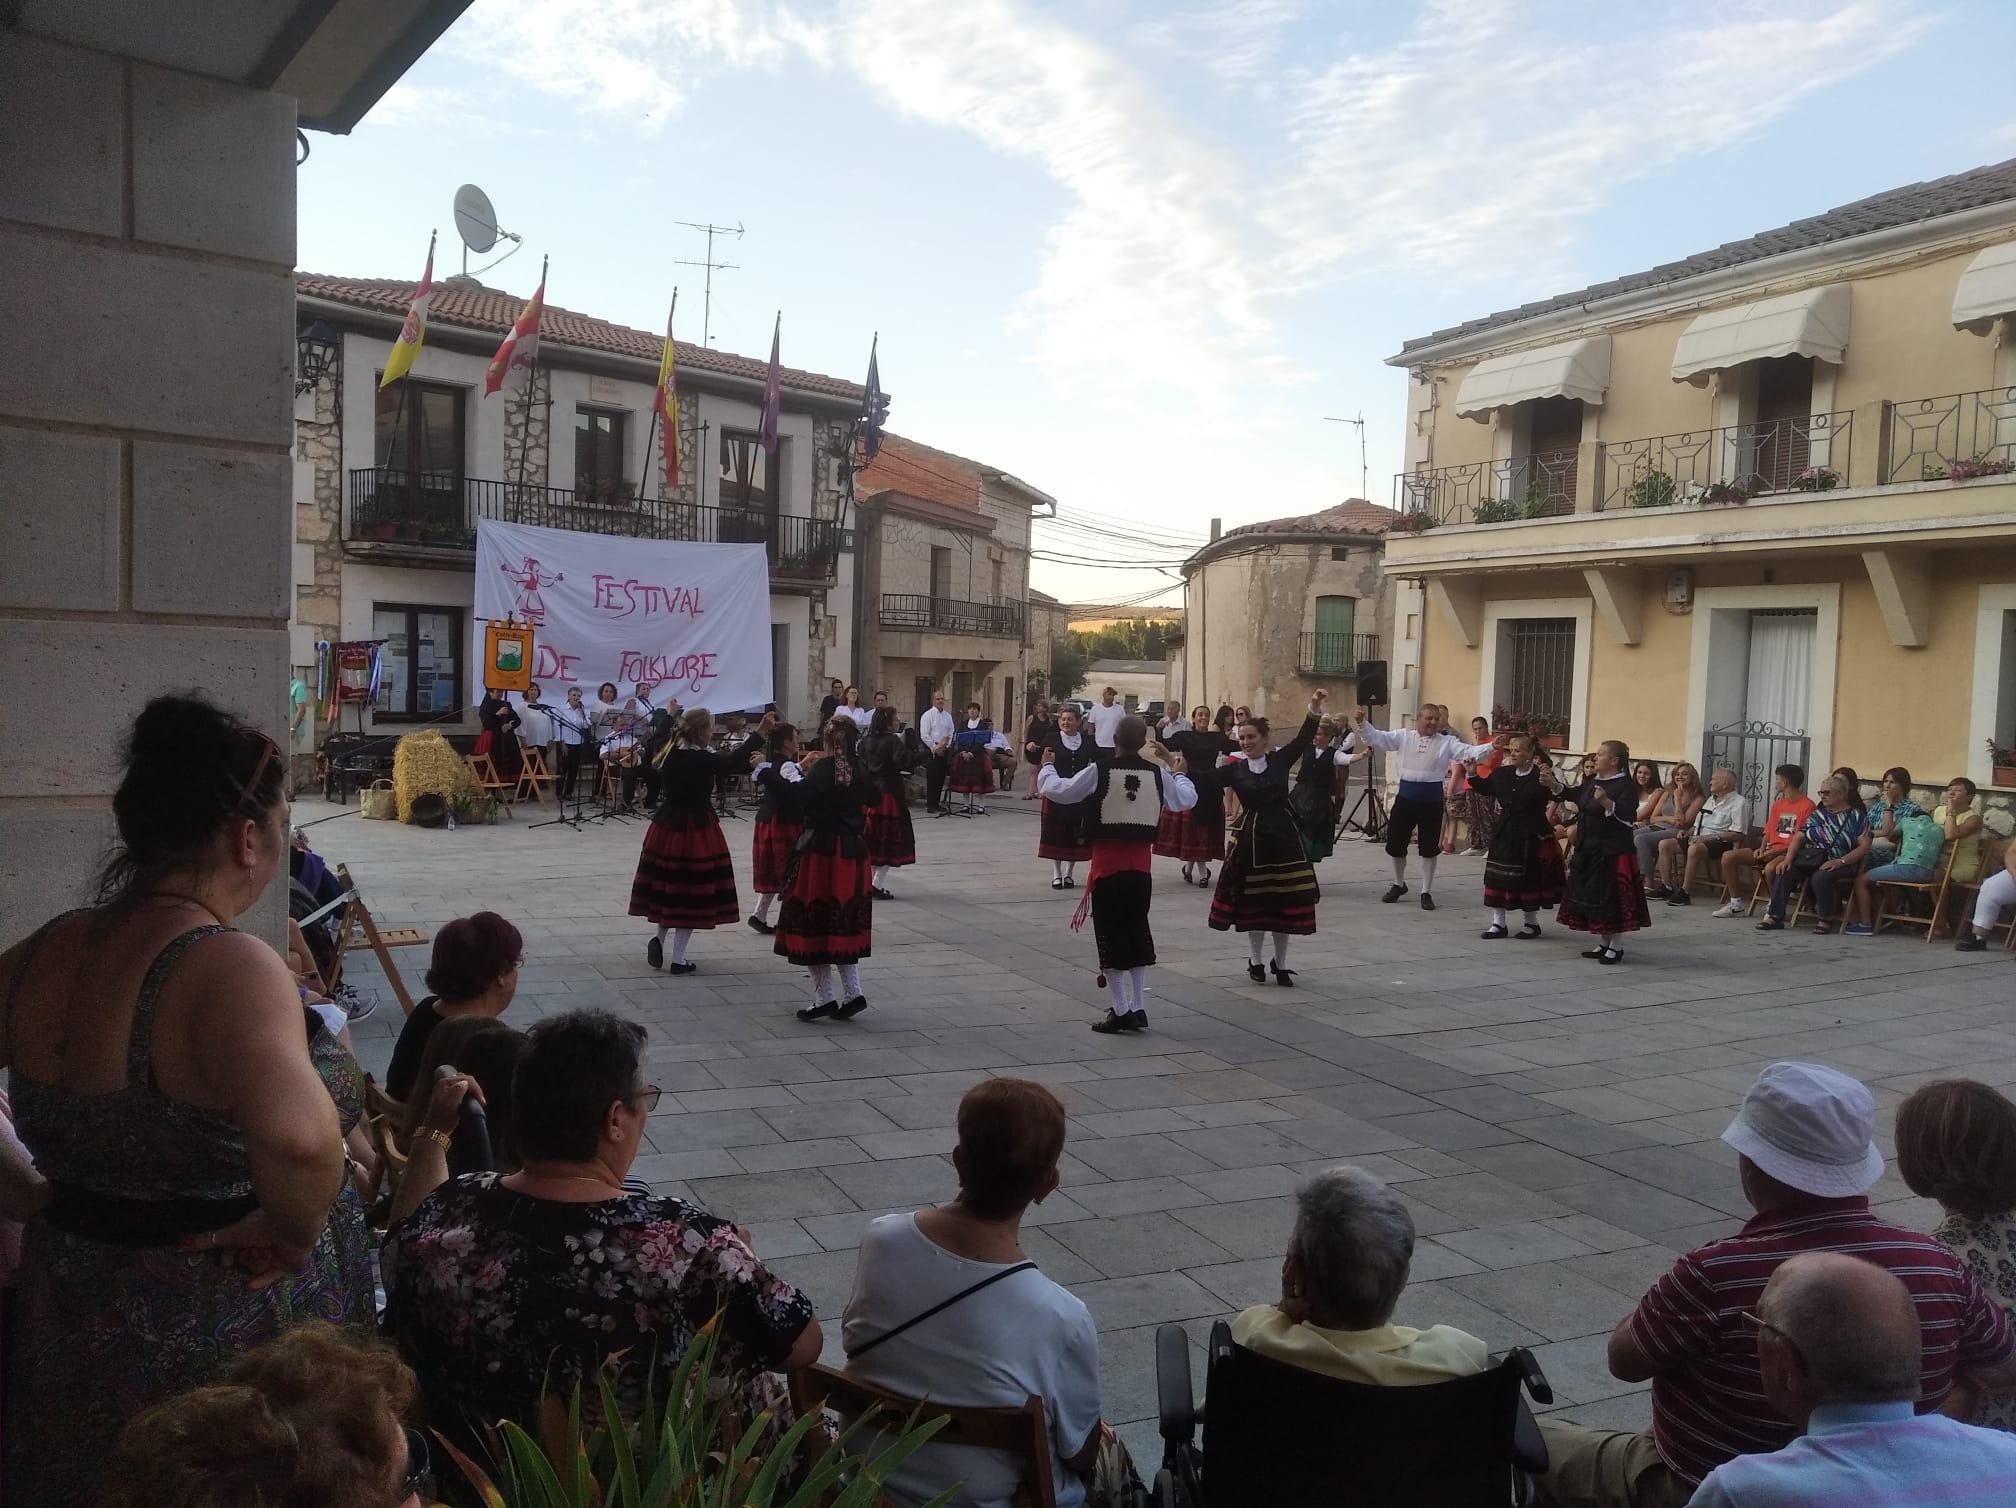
(657, 479)
(531, 392)
(406, 387)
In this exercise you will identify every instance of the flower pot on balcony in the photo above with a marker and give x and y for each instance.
(384, 530)
(2004, 775)
(407, 533)
(1555, 741)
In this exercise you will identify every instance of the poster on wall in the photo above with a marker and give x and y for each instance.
(692, 619)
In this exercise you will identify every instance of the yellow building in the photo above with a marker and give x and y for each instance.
(1752, 506)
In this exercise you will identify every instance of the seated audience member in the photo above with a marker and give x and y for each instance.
(1956, 1143)
(1827, 850)
(1892, 805)
(474, 973)
(1917, 839)
(312, 1418)
(1840, 1350)
(1960, 815)
(1346, 1265)
(1805, 1136)
(1674, 813)
(1720, 825)
(488, 1294)
(1998, 893)
(1005, 1331)
(488, 1052)
(1789, 810)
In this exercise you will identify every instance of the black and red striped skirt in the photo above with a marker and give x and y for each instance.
(1606, 894)
(828, 915)
(892, 837)
(685, 877)
(972, 773)
(1063, 834)
(1182, 835)
(770, 858)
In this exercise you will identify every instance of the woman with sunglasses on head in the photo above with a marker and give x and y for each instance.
(172, 1087)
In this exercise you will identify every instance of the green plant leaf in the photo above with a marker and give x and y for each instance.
(476, 1476)
(532, 1474)
(623, 1457)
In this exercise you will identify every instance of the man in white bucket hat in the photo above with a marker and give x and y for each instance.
(1806, 1135)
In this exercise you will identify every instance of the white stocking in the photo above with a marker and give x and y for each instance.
(1498, 916)
(1137, 983)
(822, 982)
(1399, 868)
(1116, 981)
(1056, 869)
(763, 904)
(661, 935)
(1255, 943)
(1532, 918)
(850, 979)
(1280, 949)
(1427, 875)
(881, 876)
(680, 937)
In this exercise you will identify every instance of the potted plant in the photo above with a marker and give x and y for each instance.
(1655, 489)
(1499, 510)
(1979, 466)
(1535, 502)
(1725, 492)
(2002, 765)
(1817, 479)
(382, 528)
(406, 531)
(1549, 730)
(1414, 521)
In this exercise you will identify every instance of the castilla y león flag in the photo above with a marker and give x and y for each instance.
(521, 347)
(414, 331)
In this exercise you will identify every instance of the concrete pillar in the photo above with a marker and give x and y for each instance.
(1589, 479)
(1868, 446)
(146, 402)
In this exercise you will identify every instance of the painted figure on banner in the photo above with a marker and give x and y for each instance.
(530, 606)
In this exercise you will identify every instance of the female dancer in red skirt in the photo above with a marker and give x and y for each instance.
(828, 918)
(1197, 836)
(892, 840)
(1267, 884)
(1605, 894)
(1522, 862)
(685, 880)
(780, 818)
(1065, 839)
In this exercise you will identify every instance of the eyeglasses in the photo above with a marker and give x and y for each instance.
(419, 1467)
(648, 1097)
(1758, 1323)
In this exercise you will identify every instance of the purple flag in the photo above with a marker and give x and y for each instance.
(772, 391)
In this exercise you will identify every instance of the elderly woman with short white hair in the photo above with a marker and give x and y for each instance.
(1341, 1280)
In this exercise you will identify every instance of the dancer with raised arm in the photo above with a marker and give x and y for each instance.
(1522, 862)
(1062, 838)
(1426, 754)
(1267, 884)
(1124, 800)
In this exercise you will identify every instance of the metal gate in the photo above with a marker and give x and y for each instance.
(1753, 751)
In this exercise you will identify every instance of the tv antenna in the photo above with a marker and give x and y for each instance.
(707, 289)
(476, 223)
(1364, 473)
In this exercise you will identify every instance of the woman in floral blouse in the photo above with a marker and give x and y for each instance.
(1956, 1143)
(500, 1287)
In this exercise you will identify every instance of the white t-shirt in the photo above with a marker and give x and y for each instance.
(1104, 720)
(1723, 814)
(861, 717)
(1023, 1335)
(535, 726)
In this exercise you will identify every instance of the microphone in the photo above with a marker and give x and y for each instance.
(474, 1129)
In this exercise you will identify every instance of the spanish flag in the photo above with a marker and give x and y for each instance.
(666, 401)
(414, 331)
(521, 347)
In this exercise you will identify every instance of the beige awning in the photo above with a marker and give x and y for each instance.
(1813, 322)
(1572, 369)
(1987, 290)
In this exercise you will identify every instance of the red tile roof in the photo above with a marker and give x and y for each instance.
(1352, 516)
(490, 309)
(920, 471)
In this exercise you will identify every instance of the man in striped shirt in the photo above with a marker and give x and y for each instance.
(1806, 1139)
(1838, 1344)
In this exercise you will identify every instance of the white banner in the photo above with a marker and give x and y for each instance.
(692, 619)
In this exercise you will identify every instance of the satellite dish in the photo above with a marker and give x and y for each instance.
(475, 219)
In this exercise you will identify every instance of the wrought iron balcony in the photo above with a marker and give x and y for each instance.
(440, 511)
(994, 620)
(1930, 437)
(1335, 654)
(1540, 485)
(1730, 464)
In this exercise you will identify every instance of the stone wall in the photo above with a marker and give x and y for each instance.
(146, 387)
(528, 425)
(318, 519)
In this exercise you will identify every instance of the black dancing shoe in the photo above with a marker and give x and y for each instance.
(675, 967)
(1610, 955)
(1115, 1022)
(1427, 901)
(757, 924)
(1493, 932)
(853, 1007)
(880, 894)
(654, 953)
(1204, 878)
(1528, 932)
(825, 1010)
(1188, 877)
(1057, 882)
(1594, 952)
(1283, 977)
(1070, 882)
(1394, 892)
(1256, 973)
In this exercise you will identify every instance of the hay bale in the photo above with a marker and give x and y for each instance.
(423, 764)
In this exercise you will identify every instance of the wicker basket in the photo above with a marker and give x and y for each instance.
(376, 800)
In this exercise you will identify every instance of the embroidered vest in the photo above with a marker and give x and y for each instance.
(1128, 803)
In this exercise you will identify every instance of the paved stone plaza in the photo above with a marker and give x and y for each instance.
(1552, 1123)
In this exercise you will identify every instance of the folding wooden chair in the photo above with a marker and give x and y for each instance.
(383, 1118)
(1890, 891)
(1800, 897)
(485, 770)
(534, 775)
(1962, 890)
(359, 926)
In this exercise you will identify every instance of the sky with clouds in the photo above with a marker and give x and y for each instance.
(1136, 252)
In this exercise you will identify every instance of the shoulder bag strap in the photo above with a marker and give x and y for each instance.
(960, 1297)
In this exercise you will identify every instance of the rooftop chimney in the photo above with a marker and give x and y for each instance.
(1217, 526)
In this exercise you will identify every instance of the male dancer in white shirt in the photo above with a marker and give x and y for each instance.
(1426, 754)
(935, 729)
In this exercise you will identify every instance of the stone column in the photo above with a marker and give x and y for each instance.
(146, 432)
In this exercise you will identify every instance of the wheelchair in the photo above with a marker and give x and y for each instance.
(1277, 1436)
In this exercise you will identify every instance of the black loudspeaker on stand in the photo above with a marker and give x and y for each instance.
(1368, 812)
(1372, 688)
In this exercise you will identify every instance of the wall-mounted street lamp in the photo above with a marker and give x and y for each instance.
(315, 350)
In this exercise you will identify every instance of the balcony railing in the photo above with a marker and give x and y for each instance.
(999, 620)
(1929, 436)
(1540, 485)
(1730, 464)
(421, 508)
(1335, 654)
